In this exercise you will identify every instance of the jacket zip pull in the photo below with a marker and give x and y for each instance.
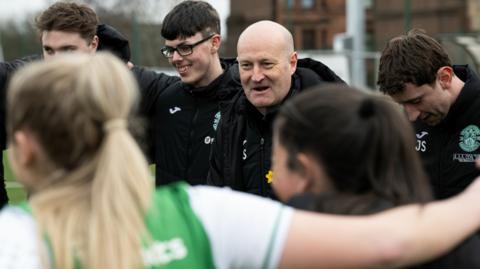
(262, 168)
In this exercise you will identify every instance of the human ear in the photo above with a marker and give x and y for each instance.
(305, 169)
(444, 76)
(25, 148)
(293, 62)
(216, 40)
(314, 174)
(94, 43)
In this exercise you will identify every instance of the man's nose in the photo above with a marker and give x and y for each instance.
(176, 56)
(412, 112)
(257, 75)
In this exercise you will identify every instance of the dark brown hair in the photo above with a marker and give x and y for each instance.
(69, 17)
(363, 141)
(190, 17)
(413, 58)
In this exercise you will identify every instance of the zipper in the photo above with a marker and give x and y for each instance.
(190, 139)
(262, 168)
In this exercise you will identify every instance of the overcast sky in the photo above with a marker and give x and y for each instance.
(20, 8)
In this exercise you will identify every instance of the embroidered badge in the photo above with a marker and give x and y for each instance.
(216, 120)
(469, 138)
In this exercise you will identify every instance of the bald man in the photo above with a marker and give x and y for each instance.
(241, 153)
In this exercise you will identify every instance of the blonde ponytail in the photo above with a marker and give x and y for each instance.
(77, 107)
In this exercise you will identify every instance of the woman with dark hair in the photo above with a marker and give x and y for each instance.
(364, 144)
(344, 151)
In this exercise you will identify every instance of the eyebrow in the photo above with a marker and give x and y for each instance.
(269, 60)
(45, 47)
(179, 44)
(192, 43)
(411, 100)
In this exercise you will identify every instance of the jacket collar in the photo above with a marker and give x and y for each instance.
(467, 97)
(221, 86)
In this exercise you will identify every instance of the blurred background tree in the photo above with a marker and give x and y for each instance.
(19, 38)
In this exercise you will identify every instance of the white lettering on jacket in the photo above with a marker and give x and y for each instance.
(164, 252)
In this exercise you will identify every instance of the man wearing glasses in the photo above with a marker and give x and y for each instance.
(183, 113)
(183, 117)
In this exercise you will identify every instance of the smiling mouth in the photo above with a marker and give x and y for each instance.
(183, 69)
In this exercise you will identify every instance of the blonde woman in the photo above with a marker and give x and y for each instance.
(93, 204)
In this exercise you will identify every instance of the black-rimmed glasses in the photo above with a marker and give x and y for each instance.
(183, 49)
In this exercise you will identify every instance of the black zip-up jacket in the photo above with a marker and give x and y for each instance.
(110, 40)
(241, 154)
(182, 123)
(450, 148)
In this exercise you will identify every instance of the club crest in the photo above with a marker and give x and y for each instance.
(216, 120)
(469, 138)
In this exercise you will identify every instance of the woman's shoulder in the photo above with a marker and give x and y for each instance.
(15, 219)
(239, 228)
(208, 204)
(19, 237)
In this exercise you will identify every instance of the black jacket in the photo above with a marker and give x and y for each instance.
(182, 122)
(241, 154)
(6, 71)
(113, 41)
(450, 148)
(110, 40)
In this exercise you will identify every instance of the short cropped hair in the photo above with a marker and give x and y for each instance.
(190, 17)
